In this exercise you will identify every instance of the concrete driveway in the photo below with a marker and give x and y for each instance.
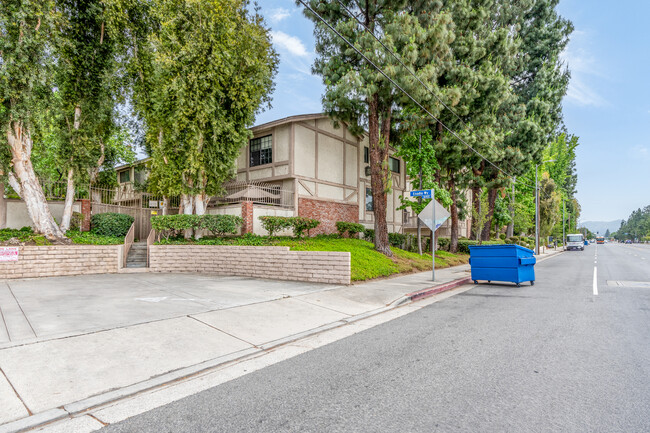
(46, 308)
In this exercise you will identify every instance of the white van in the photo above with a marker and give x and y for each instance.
(575, 241)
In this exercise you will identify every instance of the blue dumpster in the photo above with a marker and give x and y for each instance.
(508, 262)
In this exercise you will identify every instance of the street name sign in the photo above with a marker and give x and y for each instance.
(424, 193)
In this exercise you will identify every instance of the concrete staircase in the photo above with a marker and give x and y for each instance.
(137, 257)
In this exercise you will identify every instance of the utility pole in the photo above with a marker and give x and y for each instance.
(563, 221)
(420, 202)
(510, 231)
(536, 213)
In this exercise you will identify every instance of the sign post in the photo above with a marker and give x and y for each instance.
(430, 194)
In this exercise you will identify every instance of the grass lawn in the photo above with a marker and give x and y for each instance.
(366, 262)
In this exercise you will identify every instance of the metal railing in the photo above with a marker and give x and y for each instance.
(150, 240)
(128, 241)
(257, 192)
(125, 195)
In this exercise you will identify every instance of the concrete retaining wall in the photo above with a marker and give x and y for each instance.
(259, 262)
(59, 260)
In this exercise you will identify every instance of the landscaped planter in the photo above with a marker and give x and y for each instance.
(60, 260)
(277, 263)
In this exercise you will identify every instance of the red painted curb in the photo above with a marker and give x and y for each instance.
(425, 293)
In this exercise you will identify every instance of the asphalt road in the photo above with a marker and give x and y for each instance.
(552, 357)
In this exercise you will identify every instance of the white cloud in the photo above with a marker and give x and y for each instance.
(584, 70)
(289, 43)
(277, 15)
(582, 94)
(641, 152)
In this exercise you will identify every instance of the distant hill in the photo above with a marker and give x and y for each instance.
(602, 226)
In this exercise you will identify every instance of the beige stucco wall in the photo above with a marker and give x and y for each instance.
(17, 216)
(305, 152)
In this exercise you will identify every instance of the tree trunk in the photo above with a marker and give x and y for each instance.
(69, 200)
(492, 198)
(476, 206)
(453, 210)
(70, 190)
(188, 208)
(510, 231)
(200, 204)
(378, 149)
(25, 183)
(165, 206)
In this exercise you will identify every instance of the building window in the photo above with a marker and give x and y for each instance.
(261, 151)
(369, 204)
(393, 164)
(125, 176)
(366, 155)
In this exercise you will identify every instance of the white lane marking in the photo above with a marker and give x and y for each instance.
(595, 282)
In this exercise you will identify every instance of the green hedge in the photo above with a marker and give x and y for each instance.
(111, 224)
(173, 225)
(463, 244)
(351, 229)
(299, 225)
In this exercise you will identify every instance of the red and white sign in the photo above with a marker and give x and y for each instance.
(8, 254)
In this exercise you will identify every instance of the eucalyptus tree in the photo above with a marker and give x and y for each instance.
(86, 71)
(357, 90)
(205, 72)
(27, 28)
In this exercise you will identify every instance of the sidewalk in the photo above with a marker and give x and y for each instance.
(93, 340)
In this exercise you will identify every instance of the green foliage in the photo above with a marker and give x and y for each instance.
(274, 224)
(479, 216)
(637, 226)
(301, 224)
(351, 229)
(111, 224)
(369, 235)
(220, 225)
(204, 70)
(27, 235)
(171, 225)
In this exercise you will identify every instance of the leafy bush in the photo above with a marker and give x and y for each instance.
(443, 243)
(274, 224)
(172, 225)
(397, 240)
(220, 225)
(89, 238)
(369, 235)
(76, 220)
(502, 236)
(300, 224)
(111, 224)
(351, 229)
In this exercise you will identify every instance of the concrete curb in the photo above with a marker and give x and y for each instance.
(75, 408)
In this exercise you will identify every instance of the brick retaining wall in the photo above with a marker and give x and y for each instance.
(328, 213)
(59, 260)
(259, 262)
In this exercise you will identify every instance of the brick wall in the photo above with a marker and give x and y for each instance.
(59, 260)
(328, 213)
(247, 216)
(259, 262)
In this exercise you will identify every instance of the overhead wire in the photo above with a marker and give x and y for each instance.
(381, 71)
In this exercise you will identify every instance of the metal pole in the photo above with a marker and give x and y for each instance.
(536, 214)
(420, 202)
(563, 232)
(563, 221)
(433, 234)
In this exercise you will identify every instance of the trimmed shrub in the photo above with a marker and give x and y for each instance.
(274, 224)
(502, 236)
(172, 225)
(111, 224)
(76, 220)
(397, 240)
(220, 225)
(443, 243)
(302, 224)
(351, 229)
(369, 235)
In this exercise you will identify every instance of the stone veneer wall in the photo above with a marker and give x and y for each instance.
(260, 262)
(60, 260)
(328, 213)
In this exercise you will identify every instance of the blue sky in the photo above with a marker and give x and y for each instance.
(607, 105)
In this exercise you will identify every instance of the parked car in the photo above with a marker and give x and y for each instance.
(627, 241)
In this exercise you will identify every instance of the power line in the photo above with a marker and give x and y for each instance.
(404, 91)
